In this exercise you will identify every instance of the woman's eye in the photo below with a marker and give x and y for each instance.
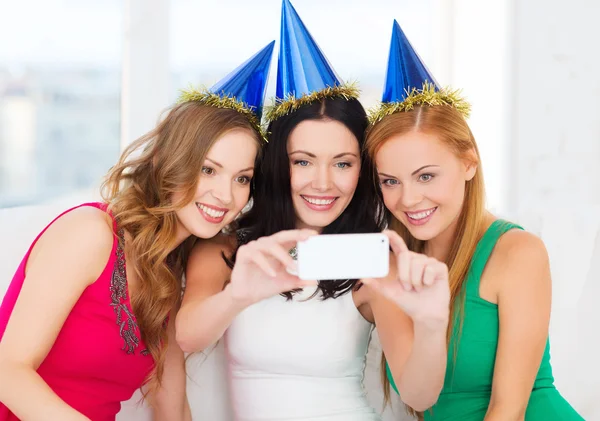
(389, 182)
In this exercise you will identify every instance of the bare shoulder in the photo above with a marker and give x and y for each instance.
(84, 220)
(519, 256)
(82, 230)
(519, 246)
(78, 245)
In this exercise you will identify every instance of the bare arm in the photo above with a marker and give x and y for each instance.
(170, 401)
(415, 351)
(260, 272)
(522, 270)
(411, 311)
(205, 298)
(62, 264)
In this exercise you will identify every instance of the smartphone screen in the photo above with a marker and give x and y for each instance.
(343, 256)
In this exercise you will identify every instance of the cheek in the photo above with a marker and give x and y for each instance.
(347, 181)
(391, 196)
(449, 192)
(204, 186)
(299, 178)
(241, 197)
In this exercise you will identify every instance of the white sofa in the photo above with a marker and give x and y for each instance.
(574, 246)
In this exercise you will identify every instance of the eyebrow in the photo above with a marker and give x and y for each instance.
(221, 166)
(215, 162)
(312, 155)
(413, 173)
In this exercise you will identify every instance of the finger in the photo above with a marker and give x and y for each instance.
(244, 253)
(417, 267)
(289, 282)
(404, 259)
(396, 242)
(430, 273)
(390, 289)
(292, 236)
(441, 271)
(309, 283)
(300, 283)
(260, 260)
(276, 251)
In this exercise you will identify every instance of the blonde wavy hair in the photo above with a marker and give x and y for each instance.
(139, 191)
(451, 128)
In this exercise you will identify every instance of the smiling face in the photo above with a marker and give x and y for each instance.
(423, 182)
(324, 161)
(223, 187)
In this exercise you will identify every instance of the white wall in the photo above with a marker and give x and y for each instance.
(530, 69)
(556, 105)
(556, 165)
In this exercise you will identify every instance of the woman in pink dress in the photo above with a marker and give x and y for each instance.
(89, 315)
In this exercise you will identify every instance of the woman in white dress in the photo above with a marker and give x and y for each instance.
(296, 350)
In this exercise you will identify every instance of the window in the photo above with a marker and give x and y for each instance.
(59, 97)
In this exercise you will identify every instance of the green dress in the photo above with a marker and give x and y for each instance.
(468, 383)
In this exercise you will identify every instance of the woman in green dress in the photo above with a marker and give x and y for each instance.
(429, 169)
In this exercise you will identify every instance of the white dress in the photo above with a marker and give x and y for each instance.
(299, 360)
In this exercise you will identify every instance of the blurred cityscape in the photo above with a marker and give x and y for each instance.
(60, 94)
(59, 131)
(60, 128)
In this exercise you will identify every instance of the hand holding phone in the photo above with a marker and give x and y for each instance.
(420, 285)
(264, 268)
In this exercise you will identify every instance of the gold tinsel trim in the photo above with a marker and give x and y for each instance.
(203, 96)
(290, 103)
(428, 95)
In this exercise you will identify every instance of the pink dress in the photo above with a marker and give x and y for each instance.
(98, 359)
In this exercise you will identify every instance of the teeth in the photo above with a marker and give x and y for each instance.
(211, 212)
(420, 215)
(318, 201)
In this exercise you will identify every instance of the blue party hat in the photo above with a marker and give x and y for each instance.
(409, 83)
(406, 71)
(248, 82)
(303, 73)
(242, 90)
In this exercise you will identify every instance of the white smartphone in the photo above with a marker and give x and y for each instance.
(343, 256)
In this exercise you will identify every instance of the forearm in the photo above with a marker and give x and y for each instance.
(201, 325)
(178, 412)
(505, 413)
(422, 375)
(187, 412)
(500, 416)
(21, 386)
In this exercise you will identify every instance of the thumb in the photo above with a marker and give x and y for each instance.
(308, 283)
(292, 281)
(390, 289)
